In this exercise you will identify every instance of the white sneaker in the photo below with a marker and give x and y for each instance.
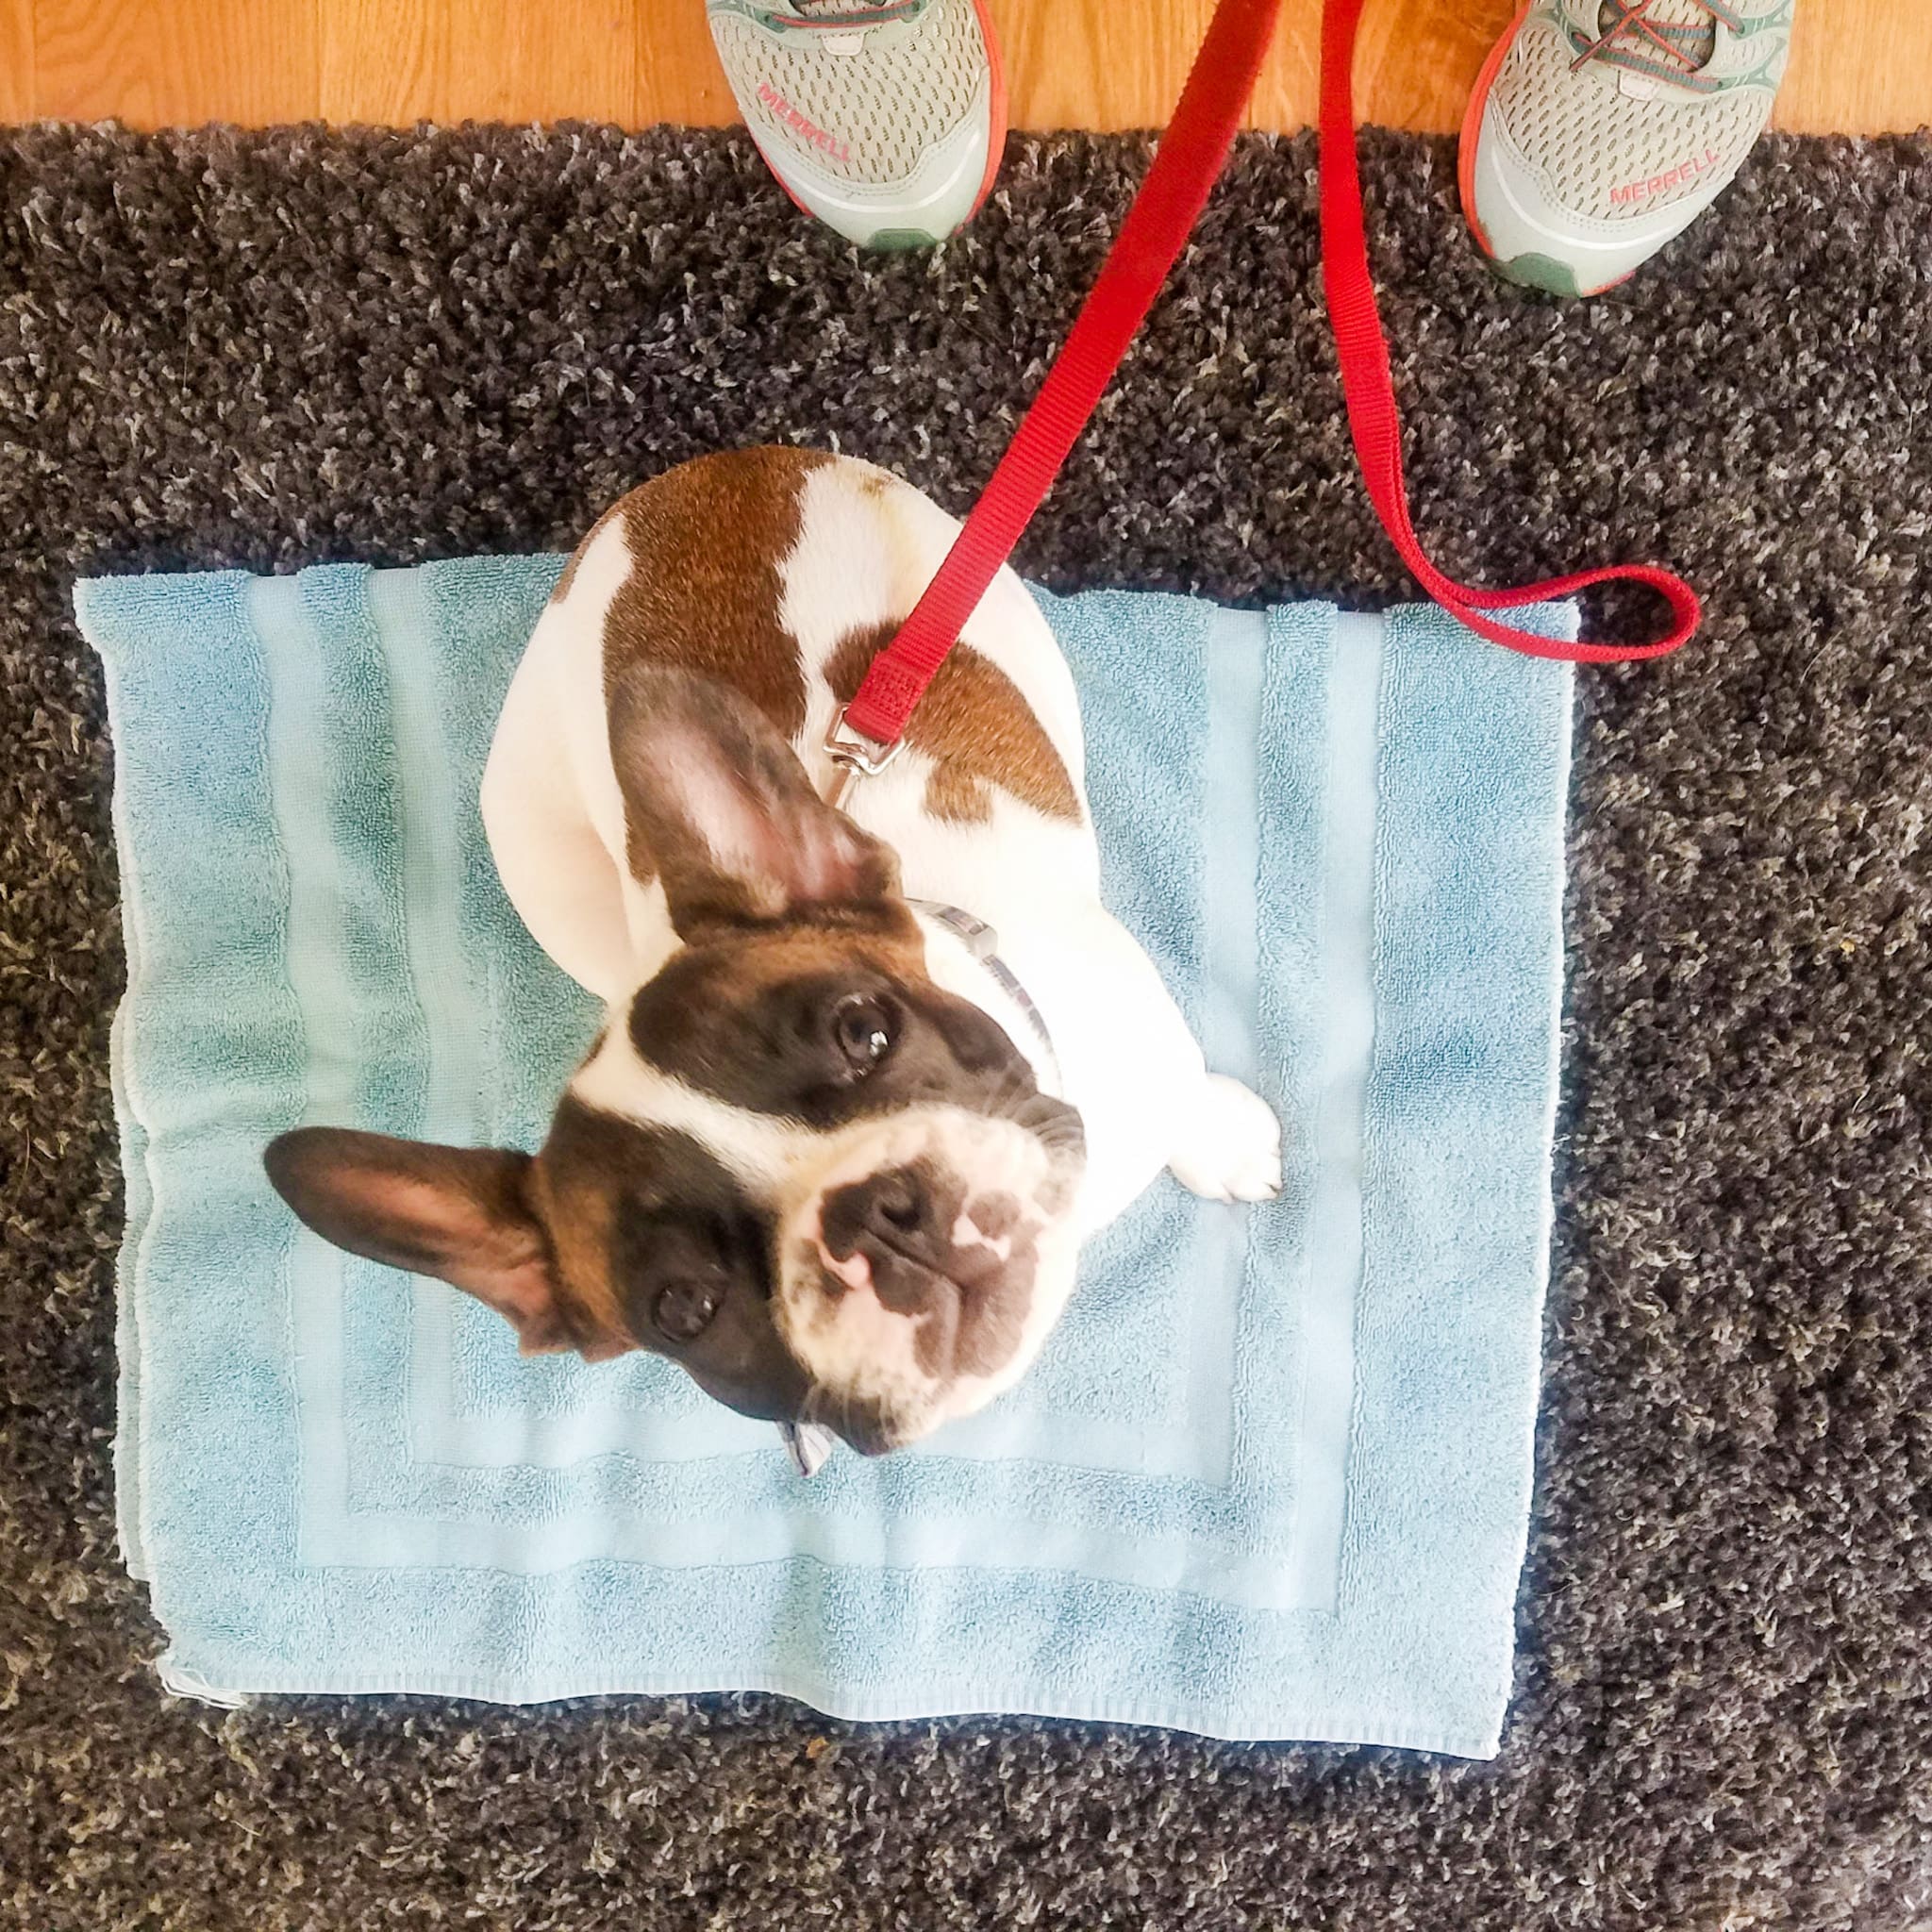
(885, 120)
(1601, 129)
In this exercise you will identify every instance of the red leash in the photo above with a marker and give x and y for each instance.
(1372, 419)
(1191, 155)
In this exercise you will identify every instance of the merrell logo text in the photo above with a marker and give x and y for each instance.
(783, 108)
(1670, 177)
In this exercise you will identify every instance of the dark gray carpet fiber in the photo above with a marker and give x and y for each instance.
(269, 350)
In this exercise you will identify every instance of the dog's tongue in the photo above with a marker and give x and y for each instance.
(810, 1446)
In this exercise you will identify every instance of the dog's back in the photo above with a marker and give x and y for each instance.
(781, 571)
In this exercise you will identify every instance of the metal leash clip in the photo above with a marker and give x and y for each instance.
(854, 756)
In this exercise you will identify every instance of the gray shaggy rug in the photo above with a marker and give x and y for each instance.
(270, 350)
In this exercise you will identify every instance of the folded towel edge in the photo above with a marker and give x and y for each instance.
(976, 1697)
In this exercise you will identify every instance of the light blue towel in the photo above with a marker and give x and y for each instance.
(1271, 1478)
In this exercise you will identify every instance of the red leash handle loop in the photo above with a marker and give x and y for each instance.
(1192, 154)
(1369, 387)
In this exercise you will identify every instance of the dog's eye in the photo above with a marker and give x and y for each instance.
(862, 1028)
(685, 1309)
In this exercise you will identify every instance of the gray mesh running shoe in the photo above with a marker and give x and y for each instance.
(884, 121)
(1600, 129)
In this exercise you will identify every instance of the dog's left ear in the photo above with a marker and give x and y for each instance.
(718, 806)
(463, 1213)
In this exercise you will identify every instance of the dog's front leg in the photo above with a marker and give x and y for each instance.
(1224, 1142)
(1230, 1145)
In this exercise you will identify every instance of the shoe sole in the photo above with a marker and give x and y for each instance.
(1473, 126)
(996, 142)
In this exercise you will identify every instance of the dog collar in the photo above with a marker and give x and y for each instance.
(983, 942)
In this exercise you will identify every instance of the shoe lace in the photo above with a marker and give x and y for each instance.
(836, 15)
(1666, 50)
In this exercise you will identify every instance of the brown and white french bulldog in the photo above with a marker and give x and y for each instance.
(830, 1153)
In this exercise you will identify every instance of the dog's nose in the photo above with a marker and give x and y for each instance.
(895, 1207)
(893, 1232)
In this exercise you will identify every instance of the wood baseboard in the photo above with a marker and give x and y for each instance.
(1860, 66)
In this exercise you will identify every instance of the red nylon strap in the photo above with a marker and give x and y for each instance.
(1370, 393)
(1191, 155)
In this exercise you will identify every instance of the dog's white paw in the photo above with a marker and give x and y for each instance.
(1230, 1149)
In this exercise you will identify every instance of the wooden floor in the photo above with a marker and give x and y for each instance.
(1860, 66)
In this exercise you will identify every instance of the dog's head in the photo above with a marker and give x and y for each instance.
(793, 1163)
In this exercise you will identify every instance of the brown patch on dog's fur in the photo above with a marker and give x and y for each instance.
(630, 1209)
(882, 937)
(976, 727)
(707, 541)
(994, 1215)
(578, 1219)
(996, 1293)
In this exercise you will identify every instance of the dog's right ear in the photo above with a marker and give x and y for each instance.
(719, 808)
(460, 1213)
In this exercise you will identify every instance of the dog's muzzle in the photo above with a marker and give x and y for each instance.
(924, 1267)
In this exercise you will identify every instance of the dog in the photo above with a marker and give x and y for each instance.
(868, 1078)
